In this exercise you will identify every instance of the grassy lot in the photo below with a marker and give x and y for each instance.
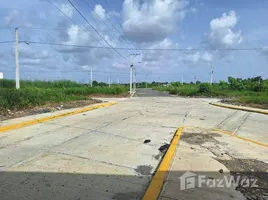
(39, 93)
(245, 92)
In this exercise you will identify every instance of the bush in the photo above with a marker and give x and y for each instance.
(205, 88)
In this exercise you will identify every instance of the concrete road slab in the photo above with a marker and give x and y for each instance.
(101, 155)
(211, 158)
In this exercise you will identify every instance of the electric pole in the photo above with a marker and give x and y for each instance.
(134, 79)
(131, 70)
(91, 81)
(146, 80)
(211, 74)
(17, 59)
(130, 81)
(182, 80)
(109, 81)
(118, 82)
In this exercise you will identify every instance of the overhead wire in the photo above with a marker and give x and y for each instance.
(113, 24)
(150, 49)
(97, 31)
(120, 25)
(104, 21)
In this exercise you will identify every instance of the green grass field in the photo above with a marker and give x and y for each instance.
(39, 93)
(243, 96)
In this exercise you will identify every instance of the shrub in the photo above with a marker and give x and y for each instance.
(205, 88)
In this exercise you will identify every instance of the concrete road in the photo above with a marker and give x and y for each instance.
(148, 92)
(100, 154)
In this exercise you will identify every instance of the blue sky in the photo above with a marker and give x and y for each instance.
(148, 24)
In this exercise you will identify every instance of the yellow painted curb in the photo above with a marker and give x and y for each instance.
(240, 108)
(242, 138)
(45, 119)
(157, 182)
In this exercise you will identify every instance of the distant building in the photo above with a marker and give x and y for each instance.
(1, 75)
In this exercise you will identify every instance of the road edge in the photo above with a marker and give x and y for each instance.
(255, 110)
(155, 186)
(45, 119)
(157, 182)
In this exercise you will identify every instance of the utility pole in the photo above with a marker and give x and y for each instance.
(146, 80)
(134, 79)
(109, 81)
(91, 81)
(17, 59)
(130, 81)
(211, 74)
(118, 82)
(182, 80)
(131, 70)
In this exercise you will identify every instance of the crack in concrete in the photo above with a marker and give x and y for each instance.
(91, 159)
(242, 122)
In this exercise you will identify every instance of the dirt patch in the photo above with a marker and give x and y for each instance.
(4, 115)
(144, 169)
(249, 169)
(199, 138)
(250, 105)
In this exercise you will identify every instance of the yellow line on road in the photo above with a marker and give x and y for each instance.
(157, 182)
(155, 186)
(240, 108)
(45, 119)
(242, 138)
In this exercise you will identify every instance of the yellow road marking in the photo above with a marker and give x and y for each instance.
(45, 119)
(242, 138)
(240, 108)
(155, 187)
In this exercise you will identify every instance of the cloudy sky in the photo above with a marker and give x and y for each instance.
(122, 27)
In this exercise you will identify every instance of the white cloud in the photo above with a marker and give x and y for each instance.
(100, 11)
(150, 21)
(67, 9)
(198, 57)
(17, 18)
(193, 10)
(221, 34)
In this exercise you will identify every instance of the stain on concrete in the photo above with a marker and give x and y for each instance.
(200, 138)
(249, 169)
(144, 169)
(158, 156)
(128, 195)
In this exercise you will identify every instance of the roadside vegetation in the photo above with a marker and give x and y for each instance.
(37, 93)
(251, 91)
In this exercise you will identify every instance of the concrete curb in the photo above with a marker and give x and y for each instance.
(155, 187)
(45, 119)
(157, 182)
(243, 108)
(132, 94)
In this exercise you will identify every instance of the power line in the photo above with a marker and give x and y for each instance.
(4, 42)
(110, 23)
(46, 28)
(57, 8)
(149, 49)
(102, 20)
(99, 42)
(97, 31)
(120, 25)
